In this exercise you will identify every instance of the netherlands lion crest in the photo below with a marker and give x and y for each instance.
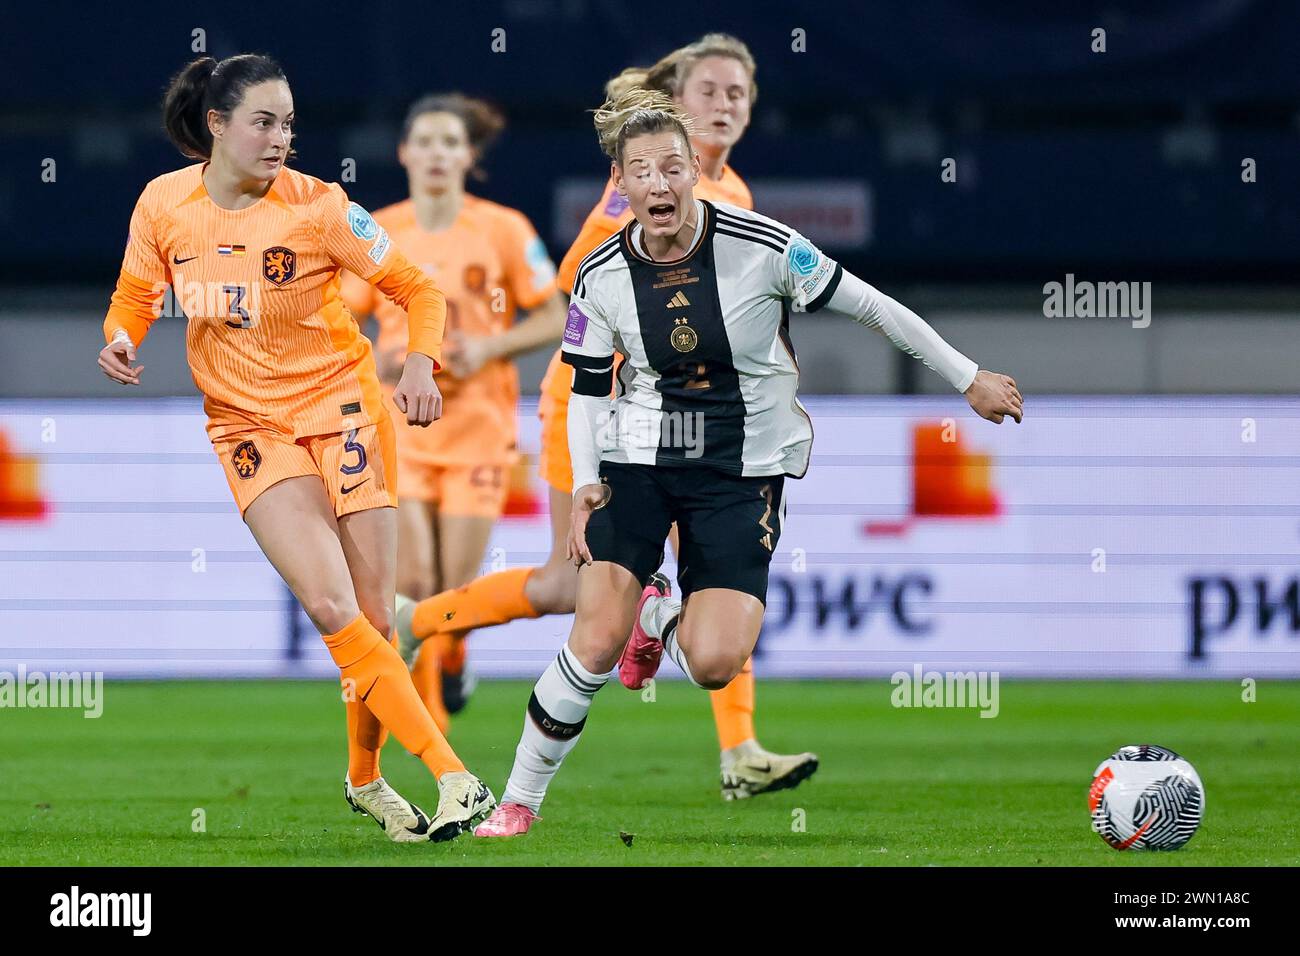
(246, 459)
(279, 264)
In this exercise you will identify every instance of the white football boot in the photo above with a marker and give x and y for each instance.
(761, 771)
(465, 802)
(402, 820)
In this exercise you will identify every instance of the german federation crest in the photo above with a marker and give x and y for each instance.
(683, 337)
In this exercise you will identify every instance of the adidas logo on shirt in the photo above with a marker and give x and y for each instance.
(678, 300)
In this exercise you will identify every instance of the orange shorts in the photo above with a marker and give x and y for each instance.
(466, 491)
(358, 467)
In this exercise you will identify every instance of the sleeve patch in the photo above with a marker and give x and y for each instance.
(539, 263)
(810, 285)
(616, 205)
(380, 247)
(803, 257)
(575, 329)
(363, 224)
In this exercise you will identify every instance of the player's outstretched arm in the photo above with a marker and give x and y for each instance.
(991, 394)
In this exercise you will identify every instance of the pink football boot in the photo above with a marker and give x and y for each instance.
(640, 660)
(507, 820)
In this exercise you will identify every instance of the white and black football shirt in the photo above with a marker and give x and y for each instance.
(710, 376)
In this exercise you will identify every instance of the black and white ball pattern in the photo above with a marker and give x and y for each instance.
(1145, 797)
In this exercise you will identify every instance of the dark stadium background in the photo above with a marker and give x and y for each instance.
(1119, 159)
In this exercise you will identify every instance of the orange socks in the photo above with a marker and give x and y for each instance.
(492, 599)
(733, 709)
(366, 737)
(382, 683)
(451, 652)
(427, 677)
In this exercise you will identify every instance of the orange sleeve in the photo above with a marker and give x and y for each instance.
(528, 267)
(142, 280)
(358, 294)
(420, 298)
(134, 308)
(603, 221)
(350, 236)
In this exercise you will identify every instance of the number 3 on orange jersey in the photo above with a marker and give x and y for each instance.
(236, 307)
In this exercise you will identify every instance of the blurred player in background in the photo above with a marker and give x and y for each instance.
(253, 252)
(728, 363)
(453, 478)
(711, 79)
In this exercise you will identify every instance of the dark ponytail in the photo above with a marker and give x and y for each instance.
(203, 85)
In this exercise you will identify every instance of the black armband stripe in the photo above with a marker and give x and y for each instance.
(825, 295)
(593, 375)
(596, 383)
(592, 362)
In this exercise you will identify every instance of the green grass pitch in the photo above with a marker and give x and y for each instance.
(264, 761)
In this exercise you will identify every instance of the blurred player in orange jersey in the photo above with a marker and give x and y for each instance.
(713, 80)
(253, 252)
(489, 262)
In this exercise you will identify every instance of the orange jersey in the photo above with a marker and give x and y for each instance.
(489, 263)
(269, 340)
(608, 216)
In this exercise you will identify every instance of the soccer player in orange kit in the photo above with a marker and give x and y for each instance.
(490, 263)
(253, 251)
(713, 80)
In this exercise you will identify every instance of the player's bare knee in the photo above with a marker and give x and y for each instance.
(714, 670)
(329, 613)
(596, 647)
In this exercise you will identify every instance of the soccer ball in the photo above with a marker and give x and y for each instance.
(1145, 797)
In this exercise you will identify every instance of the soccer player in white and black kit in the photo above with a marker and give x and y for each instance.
(705, 428)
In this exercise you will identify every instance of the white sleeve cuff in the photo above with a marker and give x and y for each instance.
(587, 416)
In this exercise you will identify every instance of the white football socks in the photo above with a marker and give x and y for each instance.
(657, 613)
(675, 653)
(556, 713)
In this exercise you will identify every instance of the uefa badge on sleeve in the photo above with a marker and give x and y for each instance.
(803, 258)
